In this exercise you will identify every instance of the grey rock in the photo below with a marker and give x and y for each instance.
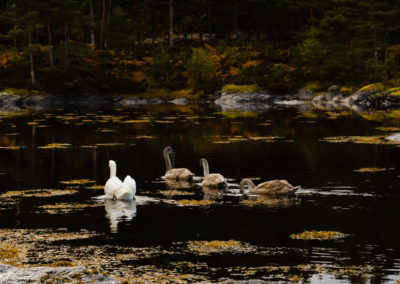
(304, 95)
(38, 101)
(245, 101)
(15, 275)
(365, 99)
(9, 101)
(137, 101)
(181, 101)
(329, 99)
(390, 101)
(250, 281)
(155, 101)
(134, 101)
(334, 89)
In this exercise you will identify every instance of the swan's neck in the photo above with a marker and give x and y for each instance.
(113, 170)
(206, 170)
(167, 160)
(250, 184)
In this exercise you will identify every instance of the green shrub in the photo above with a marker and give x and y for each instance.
(202, 70)
(160, 68)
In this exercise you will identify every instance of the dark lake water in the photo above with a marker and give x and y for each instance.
(349, 175)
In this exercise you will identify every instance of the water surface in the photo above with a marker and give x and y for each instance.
(348, 172)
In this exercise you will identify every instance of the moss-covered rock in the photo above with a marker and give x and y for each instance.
(394, 91)
(232, 88)
(347, 90)
(23, 93)
(373, 88)
(315, 87)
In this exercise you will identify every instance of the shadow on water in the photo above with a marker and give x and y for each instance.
(53, 163)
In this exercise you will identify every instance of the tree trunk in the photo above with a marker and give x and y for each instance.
(102, 24)
(92, 36)
(14, 24)
(153, 32)
(51, 58)
(235, 16)
(209, 19)
(171, 22)
(312, 17)
(66, 51)
(375, 45)
(32, 71)
(107, 22)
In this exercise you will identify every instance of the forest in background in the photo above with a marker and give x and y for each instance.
(64, 46)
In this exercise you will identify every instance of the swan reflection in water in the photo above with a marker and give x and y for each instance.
(119, 210)
(178, 184)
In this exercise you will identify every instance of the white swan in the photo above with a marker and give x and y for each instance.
(115, 188)
(211, 180)
(113, 183)
(175, 173)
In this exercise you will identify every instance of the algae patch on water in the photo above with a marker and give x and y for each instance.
(38, 193)
(15, 147)
(65, 208)
(217, 246)
(373, 170)
(319, 235)
(56, 146)
(271, 202)
(378, 139)
(175, 192)
(388, 129)
(187, 202)
(95, 187)
(77, 181)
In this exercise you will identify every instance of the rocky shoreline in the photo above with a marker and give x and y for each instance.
(370, 97)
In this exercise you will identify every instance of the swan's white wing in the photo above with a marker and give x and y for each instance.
(112, 186)
(131, 184)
